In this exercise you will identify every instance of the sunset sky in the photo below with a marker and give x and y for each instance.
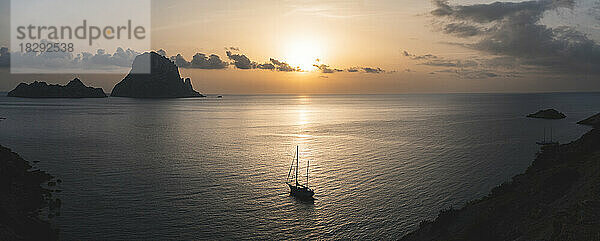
(407, 46)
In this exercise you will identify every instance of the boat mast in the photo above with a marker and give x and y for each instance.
(307, 165)
(290, 172)
(297, 162)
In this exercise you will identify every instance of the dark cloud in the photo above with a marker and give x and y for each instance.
(418, 57)
(595, 11)
(200, 61)
(180, 61)
(462, 29)
(471, 73)
(240, 61)
(283, 66)
(452, 63)
(268, 66)
(325, 69)
(4, 57)
(485, 13)
(373, 70)
(515, 30)
(162, 52)
(100, 61)
(124, 58)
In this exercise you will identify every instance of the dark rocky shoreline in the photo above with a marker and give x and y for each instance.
(22, 199)
(557, 198)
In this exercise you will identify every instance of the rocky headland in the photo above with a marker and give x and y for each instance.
(557, 198)
(154, 76)
(22, 199)
(547, 114)
(591, 121)
(74, 89)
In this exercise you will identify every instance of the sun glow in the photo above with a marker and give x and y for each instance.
(303, 53)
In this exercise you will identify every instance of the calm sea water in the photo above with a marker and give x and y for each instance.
(215, 168)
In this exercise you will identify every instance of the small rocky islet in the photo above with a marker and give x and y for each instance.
(39, 89)
(547, 114)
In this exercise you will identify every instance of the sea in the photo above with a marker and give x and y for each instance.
(215, 168)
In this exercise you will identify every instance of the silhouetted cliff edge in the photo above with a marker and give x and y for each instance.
(557, 198)
(154, 76)
(22, 198)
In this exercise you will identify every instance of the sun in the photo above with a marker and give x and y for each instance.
(303, 54)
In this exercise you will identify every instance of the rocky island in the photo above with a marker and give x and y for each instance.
(547, 114)
(557, 198)
(161, 81)
(22, 199)
(74, 89)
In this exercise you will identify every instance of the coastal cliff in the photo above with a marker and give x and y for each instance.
(557, 198)
(74, 89)
(22, 198)
(161, 80)
(591, 121)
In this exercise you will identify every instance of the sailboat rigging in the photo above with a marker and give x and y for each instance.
(296, 189)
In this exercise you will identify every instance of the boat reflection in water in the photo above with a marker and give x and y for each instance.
(296, 189)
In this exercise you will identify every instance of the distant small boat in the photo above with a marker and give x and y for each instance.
(219, 96)
(296, 189)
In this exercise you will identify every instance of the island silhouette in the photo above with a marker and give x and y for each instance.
(74, 89)
(161, 80)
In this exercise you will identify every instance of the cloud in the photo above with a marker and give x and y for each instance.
(452, 63)
(267, 66)
(462, 29)
(373, 70)
(4, 57)
(200, 61)
(472, 73)
(418, 57)
(233, 48)
(180, 61)
(124, 58)
(485, 13)
(283, 66)
(325, 69)
(514, 29)
(57, 61)
(162, 52)
(240, 61)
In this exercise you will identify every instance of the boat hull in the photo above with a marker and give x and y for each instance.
(301, 191)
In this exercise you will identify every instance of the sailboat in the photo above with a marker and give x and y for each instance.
(296, 189)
